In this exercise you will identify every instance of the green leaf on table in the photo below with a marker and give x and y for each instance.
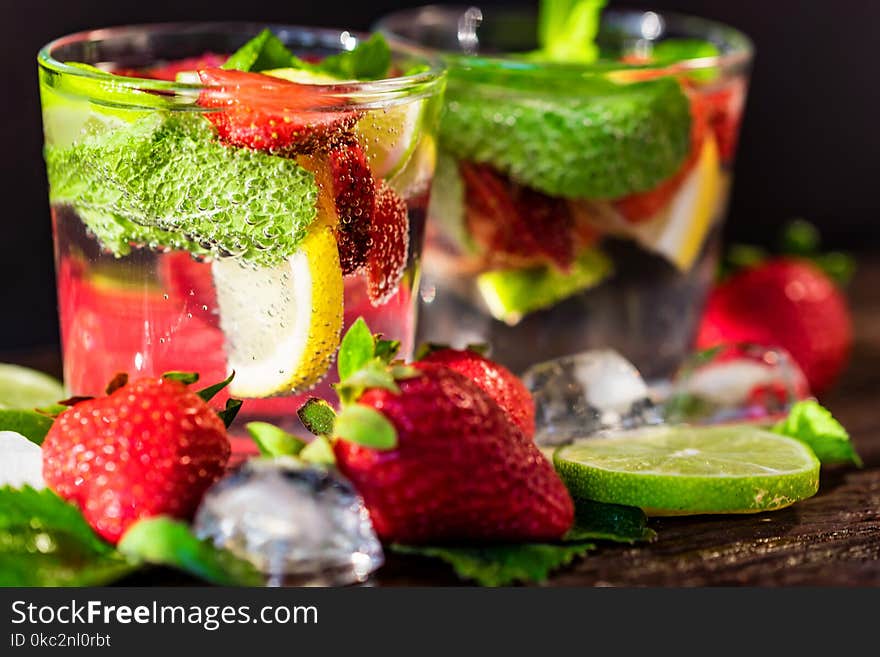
(502, 565)
(265, 51)
(814, 426)
(356, 349)
(567, 30)
(600, 521)
(369, 60)
(319, 451)
(207, 394)
(274, 441)
(365, 426)
(32, 425)
(164, 541)
(317, 416)
(44, 541)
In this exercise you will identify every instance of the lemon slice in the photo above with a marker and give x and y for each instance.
(391, 135)
(282, 323)
(678, 232)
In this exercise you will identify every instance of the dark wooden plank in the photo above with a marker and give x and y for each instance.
(831, 539)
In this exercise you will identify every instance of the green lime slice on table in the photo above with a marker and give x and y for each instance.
(679, 470)
(25, 388)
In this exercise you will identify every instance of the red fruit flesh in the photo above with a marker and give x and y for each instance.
(461, 470)
(170, 70)
(389, 244)
(785, 302)
(355, 195)
(497, 381)
(510, 219)
(152, 447)
(270, 114)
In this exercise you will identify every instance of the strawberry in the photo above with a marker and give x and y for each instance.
(270, 114)
(460, 471)
(787, 302)
(725, 110)
(151, 447)
(189, 282)
(170, 70)
(355, 194)
(497, 381)
(512, 220)
(389, 243)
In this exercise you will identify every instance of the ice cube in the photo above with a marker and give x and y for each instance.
(736, 383)
(300, 524)
(21, 461)
(582, 394)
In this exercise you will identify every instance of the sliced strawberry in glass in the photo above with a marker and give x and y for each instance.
(271, 114)
(389, 235)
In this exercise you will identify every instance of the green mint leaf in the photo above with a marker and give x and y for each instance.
(44, 541)
(370, 60)
(233, 406)
(186, 378)
(52, 410)
(32, 425)
(166, 181)
(265, 51)
(355, 350)
(502, 565)
(814, 426)
(671, 51)
(317, 416)
(274, 441)
(319, 452)
(167, 542)
(567, 30)
(208, 393)
(365, 426)
(598, 521)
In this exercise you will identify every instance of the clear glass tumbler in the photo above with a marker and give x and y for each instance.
(178, 247)
(577, 206)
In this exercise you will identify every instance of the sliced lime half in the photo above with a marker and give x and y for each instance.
(679, 470)
(24, 388)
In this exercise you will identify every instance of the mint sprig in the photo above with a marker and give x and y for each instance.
(369, 60)
(44, 541)
(814, 426)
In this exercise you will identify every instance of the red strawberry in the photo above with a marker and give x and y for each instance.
(389, 243)
(355, 194)
(151, 447)
(270, 114)
(785, 302)
(460, 471)
(497, 381)
(725, 110)
(510, 219)
(170, 70)
(189, 282)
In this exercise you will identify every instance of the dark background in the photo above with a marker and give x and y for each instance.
(808, 147)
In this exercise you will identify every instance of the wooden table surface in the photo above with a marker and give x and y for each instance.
(832, 539)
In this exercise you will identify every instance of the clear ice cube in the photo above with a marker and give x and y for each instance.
(736, 383)
(21, 461)
(301, 525)
(582, 394)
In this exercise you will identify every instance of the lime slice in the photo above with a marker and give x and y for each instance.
(679, 470)
(390, 136)
(510, 294)
(301, 76)
(281, 323)
(679, 230)
(24, 388)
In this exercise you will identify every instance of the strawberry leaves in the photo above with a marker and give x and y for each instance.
(273, 441)
(365, 426)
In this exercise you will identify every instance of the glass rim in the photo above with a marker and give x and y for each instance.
(366, 92)
(741, 53)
